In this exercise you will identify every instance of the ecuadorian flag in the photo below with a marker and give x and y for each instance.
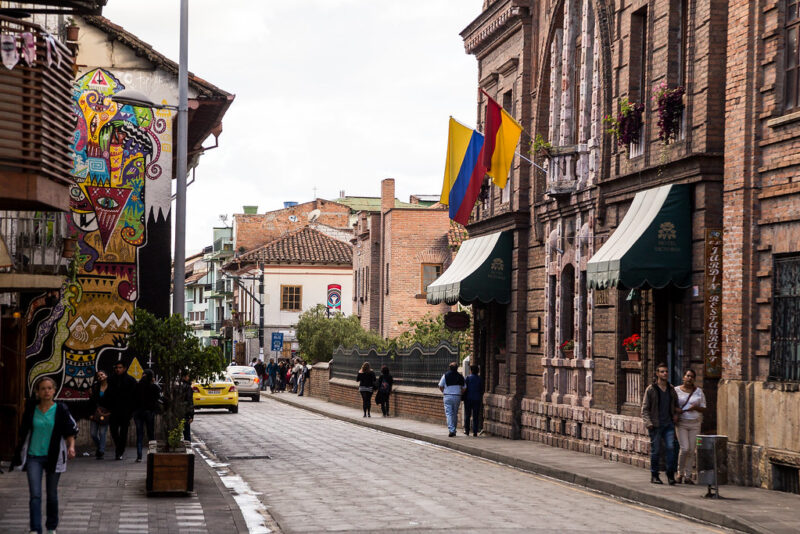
(463, 171)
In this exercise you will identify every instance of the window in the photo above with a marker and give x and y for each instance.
(430, 272)
(355, 285)
(366, 283)
(791, 83)
(386, 280)
(785, 353)
(291, 298)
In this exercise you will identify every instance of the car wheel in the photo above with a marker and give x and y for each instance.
(257, 398)
(234, 409)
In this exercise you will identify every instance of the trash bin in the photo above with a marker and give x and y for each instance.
(712, 455)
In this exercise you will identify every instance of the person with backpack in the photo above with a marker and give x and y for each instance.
(261, 371)
(385, 383)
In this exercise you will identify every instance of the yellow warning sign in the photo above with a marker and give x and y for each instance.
(135, 370)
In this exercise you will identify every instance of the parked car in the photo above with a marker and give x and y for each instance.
(247, 381)
(218, 393)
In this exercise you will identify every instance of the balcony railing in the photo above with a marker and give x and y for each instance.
(563, 169)
(34, 242)
(36, 122)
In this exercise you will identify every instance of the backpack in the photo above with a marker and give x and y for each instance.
(308, 373)
(384, 387)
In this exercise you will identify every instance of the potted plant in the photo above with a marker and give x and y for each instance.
(568, 349)
(541, 147)
(626, 127)
(633, 346)
(69, 246)
(669, 106)
(72, 30)
(174, 351)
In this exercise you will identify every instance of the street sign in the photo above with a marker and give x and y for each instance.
(277, 341)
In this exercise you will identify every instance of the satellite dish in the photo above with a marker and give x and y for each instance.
(292, 218)
(313, 215)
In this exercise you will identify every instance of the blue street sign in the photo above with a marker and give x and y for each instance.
(277, 341)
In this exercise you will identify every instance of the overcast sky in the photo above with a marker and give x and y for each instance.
(332, 94)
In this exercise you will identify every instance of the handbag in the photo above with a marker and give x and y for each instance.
(100, 415)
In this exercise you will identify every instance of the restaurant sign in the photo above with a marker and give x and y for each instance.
(712, 316)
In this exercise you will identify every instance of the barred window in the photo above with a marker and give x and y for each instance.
(785, 353)
(791, 81)
(291, 298)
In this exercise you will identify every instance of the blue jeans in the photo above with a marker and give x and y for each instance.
(98, 433)
(34, 466)
(144, 419)
(301, 381)
(451, 403)
(666, 433)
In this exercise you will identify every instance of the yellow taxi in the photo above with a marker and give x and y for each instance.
(220, 392)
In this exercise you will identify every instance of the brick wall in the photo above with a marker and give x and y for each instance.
(422, 404)
(317, 386)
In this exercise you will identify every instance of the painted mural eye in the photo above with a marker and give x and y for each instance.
(107, 203)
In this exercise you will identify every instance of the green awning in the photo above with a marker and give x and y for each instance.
(652, 247)
(481, 271)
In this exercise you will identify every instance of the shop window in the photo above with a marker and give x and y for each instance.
(785, 353)
(291, 298)
(791, 82)
(429, 273)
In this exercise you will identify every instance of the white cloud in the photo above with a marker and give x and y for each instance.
(332, 94)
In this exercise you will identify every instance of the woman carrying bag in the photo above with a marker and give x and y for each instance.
(385, 382)
(366, 385)
(47, 440)
(101, 414)
(692, 404)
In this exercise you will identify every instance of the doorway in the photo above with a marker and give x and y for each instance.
(670, 331)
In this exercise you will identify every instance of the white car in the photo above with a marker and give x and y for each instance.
(246, 380)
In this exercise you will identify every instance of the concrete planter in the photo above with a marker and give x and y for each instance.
(169, 472)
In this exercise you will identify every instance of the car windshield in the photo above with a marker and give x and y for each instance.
(241, 370)
(222, 377)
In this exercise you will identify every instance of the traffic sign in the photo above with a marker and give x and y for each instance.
(277, 341)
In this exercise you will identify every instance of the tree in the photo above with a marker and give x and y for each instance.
(175, 350)
(319, 334)
(429, 332)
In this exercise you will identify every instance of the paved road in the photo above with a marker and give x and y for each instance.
(324, 474)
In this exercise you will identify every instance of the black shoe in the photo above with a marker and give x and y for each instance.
(369, 414)
(118, 457)
(671, 480)
(452, 434)
(688, 480)
(475, 435)
(654, 479)
(139, 460)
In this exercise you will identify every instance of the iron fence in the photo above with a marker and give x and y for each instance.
(34, 241)
(418, 366)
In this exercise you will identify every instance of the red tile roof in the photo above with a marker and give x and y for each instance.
(456, 235)
(305, 245)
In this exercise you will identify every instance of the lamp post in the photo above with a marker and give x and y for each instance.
(135, 98)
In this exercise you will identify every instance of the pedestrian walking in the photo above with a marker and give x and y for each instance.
(692, 403)
(385, 383)
(47, 440)
(452, 385)
(281, 376)
(660, 412)
(297, 370)
(101, 413)
(186, 396)
(146, 398)
(261, 371)
(366, 385)
(302, 376)
(121, 386)
(473, 401)
(272, 374)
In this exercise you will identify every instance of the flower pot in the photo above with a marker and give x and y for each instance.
(68, 249)
(568, 354)
(72, 33)
(169, 471)
(633, 355)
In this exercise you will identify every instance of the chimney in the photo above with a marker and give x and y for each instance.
(250, 210)
(387, 194)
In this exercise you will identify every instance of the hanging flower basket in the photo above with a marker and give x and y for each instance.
(626, 127)
(669, 107)
(568, 349)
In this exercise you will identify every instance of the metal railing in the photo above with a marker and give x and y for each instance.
(34, 241)
(417, 366)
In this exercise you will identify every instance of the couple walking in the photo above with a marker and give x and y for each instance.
(667, 411)
(368, 383)
(455, 389)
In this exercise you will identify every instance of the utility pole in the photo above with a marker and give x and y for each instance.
(179, 258)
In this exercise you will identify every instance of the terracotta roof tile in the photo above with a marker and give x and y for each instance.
(305, 245)
(456, 235)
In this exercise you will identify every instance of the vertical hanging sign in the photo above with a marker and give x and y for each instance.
(335, 297)
(712, 314)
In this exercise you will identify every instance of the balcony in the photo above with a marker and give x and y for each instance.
(32, 248)
(563, 169)
(36, 124)
(222, 249)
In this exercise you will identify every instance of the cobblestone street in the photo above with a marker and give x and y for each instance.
(317, 473)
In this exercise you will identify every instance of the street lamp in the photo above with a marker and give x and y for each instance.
(135, 98)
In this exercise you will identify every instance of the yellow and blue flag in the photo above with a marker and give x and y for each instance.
(463, 171)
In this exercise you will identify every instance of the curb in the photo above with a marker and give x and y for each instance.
(238, 518)
(602, 486)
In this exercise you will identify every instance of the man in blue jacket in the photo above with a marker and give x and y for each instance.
(452, 385)
(473, 401)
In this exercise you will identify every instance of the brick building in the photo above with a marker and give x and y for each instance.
(589, 217)
(397, 252)
(758, 394)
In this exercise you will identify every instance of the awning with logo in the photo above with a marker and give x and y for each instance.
(481, 271)
(652, 247)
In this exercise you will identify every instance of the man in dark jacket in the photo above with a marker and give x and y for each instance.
(186, 396)
(660, 413)
(473, 400)
(452, 385)
(121, 386)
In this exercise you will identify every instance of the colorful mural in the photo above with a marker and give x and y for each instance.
(120, 155)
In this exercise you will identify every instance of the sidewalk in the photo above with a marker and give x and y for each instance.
(109, 496)
(741, 508)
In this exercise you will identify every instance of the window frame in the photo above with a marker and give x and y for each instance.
(782, 315)
(424, 288)
(287, 287)
(793, 71)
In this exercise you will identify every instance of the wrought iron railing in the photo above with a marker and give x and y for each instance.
(785, 353)
(417, 366)
(34, 241)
